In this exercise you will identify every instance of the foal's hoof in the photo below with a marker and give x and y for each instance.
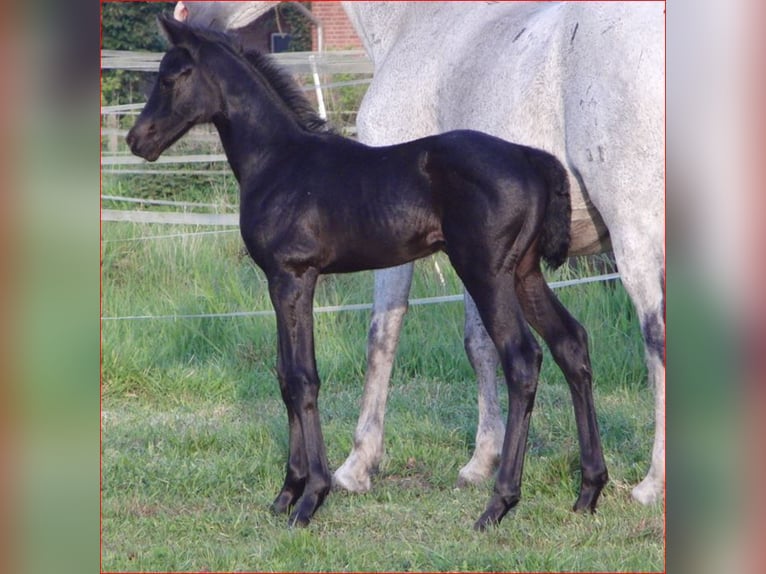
(282, 503)
(584, 505)
(589, 493)
(496, 510)
(305, 508)
(485, 522)
(297, 520)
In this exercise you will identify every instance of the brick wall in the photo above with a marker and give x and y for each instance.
(339, 34)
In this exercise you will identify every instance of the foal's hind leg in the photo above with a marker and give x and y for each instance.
(520, 357)
(568, 343)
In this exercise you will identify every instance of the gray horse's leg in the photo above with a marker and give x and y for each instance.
(490, 430)
(642, 274)
(652, 488)
(392, 288)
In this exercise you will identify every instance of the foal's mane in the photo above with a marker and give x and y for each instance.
(280, 80)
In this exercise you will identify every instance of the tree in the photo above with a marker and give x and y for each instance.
(132, 25)
(129, 26)
(300, 26)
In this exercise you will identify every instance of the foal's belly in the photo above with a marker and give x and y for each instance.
(372, 253)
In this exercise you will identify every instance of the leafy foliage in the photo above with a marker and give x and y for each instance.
(132, 26)
(299, 25)
(128, 26)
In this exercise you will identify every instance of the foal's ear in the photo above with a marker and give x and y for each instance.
(175, 32)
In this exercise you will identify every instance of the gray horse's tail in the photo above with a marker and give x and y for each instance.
(555, 235)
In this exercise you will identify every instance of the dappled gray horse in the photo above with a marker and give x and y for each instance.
(584, 81)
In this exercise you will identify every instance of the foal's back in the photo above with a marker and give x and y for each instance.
(462, 189)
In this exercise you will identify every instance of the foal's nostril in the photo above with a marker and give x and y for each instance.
(138, 132)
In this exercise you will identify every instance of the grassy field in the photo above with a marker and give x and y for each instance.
(195, 434)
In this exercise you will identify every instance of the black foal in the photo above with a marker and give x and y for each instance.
(313, 202)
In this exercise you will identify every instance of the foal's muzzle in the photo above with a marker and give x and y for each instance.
(142, 141)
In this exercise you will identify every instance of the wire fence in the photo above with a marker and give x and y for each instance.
(350, 307)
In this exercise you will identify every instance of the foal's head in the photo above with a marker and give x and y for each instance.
(193, 88)
(183, 95)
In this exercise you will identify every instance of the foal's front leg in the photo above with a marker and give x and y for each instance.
(307, 479)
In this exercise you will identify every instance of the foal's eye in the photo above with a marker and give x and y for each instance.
(168, 82)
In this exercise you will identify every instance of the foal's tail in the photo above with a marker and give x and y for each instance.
(555, 235)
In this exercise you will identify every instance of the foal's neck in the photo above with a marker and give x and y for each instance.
(253, 122)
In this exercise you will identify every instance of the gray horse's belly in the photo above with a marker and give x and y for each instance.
(589, 232)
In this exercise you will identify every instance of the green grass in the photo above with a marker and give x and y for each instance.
(194, 430)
